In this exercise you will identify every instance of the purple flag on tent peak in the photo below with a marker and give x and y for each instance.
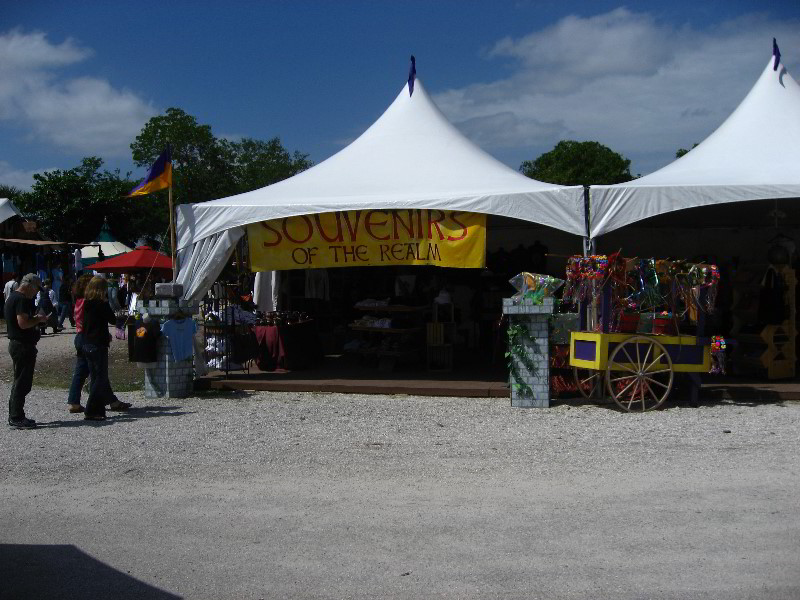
(776, 53)
(412, 75)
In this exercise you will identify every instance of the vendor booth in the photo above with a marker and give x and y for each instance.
(383, 245)
(712, 200)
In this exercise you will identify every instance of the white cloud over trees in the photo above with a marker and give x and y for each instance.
(622, 78)
(84, 114)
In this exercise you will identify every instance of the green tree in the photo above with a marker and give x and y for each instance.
(10, 192)
(253, 164)
(579, 163)
(71, 205)
(204, 167)
(682, 151)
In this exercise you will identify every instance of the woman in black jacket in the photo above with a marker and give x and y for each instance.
(97, 316)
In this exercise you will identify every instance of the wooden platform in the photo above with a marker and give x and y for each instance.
(345, 376)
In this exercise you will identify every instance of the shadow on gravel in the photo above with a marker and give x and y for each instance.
(132, 414)
(65, 572)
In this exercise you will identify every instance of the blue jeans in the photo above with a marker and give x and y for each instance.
(97, 358)
(64, 312)
(81, 373)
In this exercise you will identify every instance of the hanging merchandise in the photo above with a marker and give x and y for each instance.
(718, 347)
(585, 278)
(534, 287)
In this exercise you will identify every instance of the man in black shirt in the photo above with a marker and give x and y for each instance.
(23, 334)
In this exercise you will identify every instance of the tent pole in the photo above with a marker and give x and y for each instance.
(172, 233)
(587, 239)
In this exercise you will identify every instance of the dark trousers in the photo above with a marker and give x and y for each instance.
(24, 357)
(81, 373)
(64, 312)
(97, 358)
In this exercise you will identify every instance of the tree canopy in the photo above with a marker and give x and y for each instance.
(579, 163)
(205, 167)
(71, 205)
(682, 151)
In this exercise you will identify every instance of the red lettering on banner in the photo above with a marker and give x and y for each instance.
(409, 227)
(278, 236)
(369, 224)
(453, 216)
(339, 237)
(435, 223)
(308, 224)
(350, 227)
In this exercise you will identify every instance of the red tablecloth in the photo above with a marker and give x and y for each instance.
(292, 346)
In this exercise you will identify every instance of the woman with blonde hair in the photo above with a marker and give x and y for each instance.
(97, 316)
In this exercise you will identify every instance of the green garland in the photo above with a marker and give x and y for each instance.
(517, 336)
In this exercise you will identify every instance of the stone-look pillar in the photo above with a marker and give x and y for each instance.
(535, 318)
(168, 378)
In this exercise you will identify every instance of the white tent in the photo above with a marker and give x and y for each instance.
(7, 210)
(410, 158)
(753, 155)
(106, 242)
(109, 249)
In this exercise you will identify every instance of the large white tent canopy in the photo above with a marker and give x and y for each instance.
(753, 155)
(412, 157)
(7, 210)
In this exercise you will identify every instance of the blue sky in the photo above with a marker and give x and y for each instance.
(82, 78)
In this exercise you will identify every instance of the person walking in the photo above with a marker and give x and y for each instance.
(97, 316)
(81, 371)
(65, 303)
(11, 285)
(23, 335)
(46, 305)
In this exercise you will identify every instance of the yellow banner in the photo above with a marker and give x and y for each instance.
(361, 238)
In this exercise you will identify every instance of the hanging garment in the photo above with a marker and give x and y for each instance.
(78, 260)
(180, 333)
(317, 284)
(267, 290)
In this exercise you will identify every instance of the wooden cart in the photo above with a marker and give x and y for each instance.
(637, 370)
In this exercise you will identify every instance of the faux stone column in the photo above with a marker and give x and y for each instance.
(534, 317)
(168, 378)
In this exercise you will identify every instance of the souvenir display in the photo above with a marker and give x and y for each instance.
(534, 287)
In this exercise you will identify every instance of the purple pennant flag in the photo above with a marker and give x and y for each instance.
(776, 53)
(412, 75)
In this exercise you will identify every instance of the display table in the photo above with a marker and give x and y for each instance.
(291, 346)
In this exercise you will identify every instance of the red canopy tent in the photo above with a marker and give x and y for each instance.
(143, 258)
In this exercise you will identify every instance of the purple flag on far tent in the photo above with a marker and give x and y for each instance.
(412, 75)
(776, 53)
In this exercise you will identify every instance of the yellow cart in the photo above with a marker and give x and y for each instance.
(638, 369)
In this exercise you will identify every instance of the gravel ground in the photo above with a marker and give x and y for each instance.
(337, 496)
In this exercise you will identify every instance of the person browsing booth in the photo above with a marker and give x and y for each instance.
(23, 335)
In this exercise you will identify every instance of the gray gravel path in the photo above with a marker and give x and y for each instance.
(338, 496)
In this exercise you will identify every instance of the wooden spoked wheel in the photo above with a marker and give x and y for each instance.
(587, 380)
(639, 374)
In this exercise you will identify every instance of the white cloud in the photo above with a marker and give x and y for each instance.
(83, 114)
(641, 87)
(16, 177)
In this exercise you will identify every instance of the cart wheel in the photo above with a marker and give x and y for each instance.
(587, 381)
(639, 375)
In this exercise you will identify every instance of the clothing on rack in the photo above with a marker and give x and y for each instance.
(266, 290)
(317, 285)
(180, 333)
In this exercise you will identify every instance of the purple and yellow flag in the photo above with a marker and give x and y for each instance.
(159, 177)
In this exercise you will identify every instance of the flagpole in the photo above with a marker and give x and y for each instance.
(172, 232)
